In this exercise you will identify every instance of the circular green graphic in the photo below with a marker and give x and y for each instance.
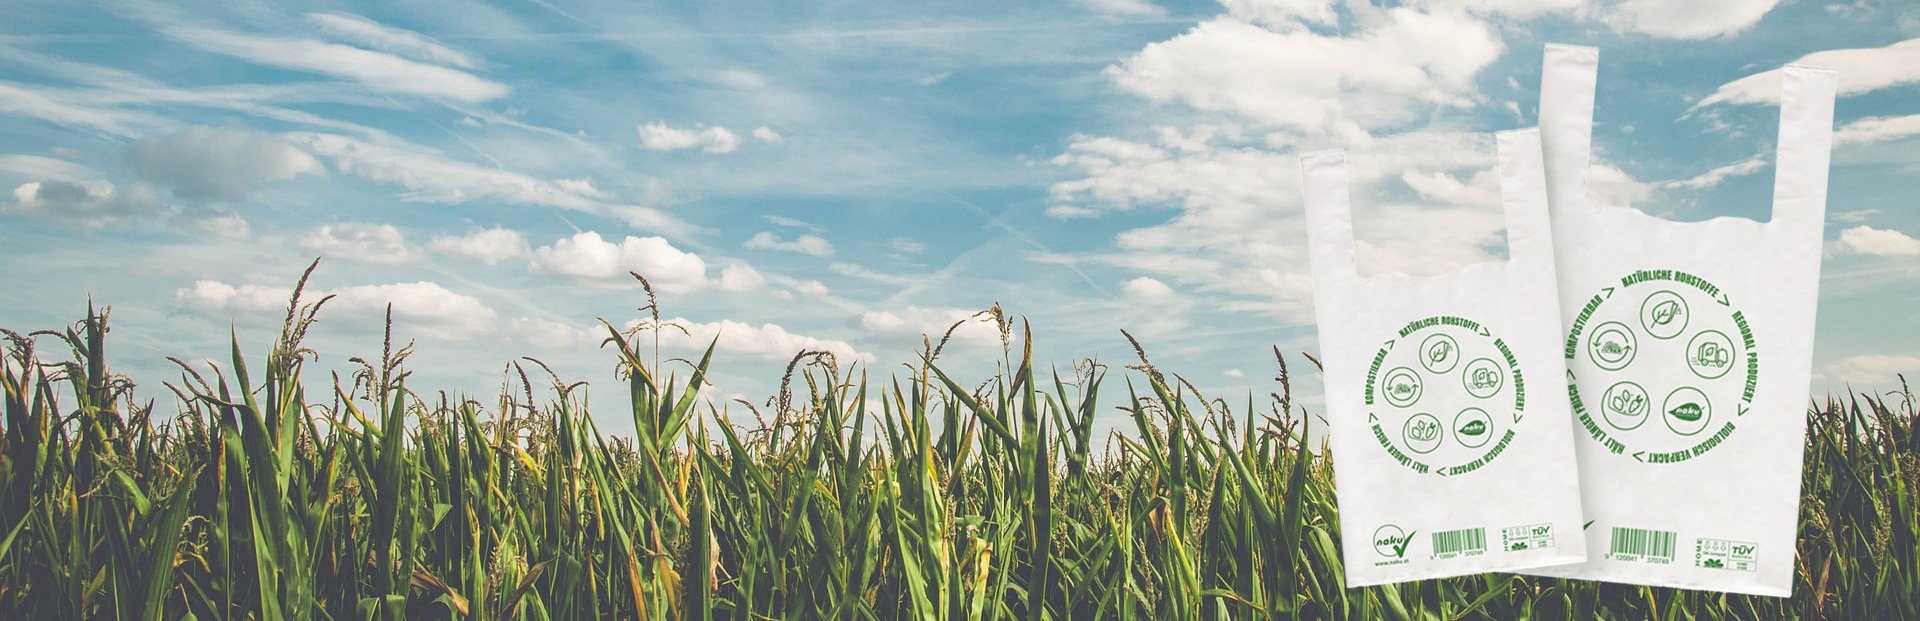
(1483, 378)
(1472, 427)
(1422, 433)
(1710, 354)
(1664, 315)
(1687, 410)
(1613, 346)
(1439, 353)
(1390, 541)
(1626, 406)
(1446, 395)
(1663, 344)
(1403, 387)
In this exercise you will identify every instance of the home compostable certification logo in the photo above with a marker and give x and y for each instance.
(1444, 396)
(1623, 350)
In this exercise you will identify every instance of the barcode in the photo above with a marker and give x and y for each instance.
(1457, 542)
(1648, 544)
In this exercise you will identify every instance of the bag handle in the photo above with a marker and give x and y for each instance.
(1323, 185)
(1567, 82)
(1805, 147)
(1567, 79)
(1523, 201)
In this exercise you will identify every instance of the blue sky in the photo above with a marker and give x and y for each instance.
(849, 177)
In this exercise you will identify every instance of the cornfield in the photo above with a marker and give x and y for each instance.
(960, 498)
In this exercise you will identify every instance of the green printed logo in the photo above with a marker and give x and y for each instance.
(1672, 318)
(1436, 415)
(1389, 541)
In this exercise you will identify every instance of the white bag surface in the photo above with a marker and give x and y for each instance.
(1452, 449)
(1689, 347)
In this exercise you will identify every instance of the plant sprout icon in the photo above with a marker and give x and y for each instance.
(1666, 312)
(1710, 354)
(1440, 351)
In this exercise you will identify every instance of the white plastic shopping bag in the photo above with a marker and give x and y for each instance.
(1688, 347)
(1452, 449)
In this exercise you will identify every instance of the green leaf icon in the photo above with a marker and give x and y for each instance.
(1687, 412)
(1440, 351)
(1473, 428)
(1665, 312)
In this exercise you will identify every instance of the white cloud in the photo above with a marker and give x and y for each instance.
(1145, 287)
(917, 321)
(587, 256)
(769, 342)
(1687, 19)
(902, 244)
(661, 137)
(202, 163)
(766, 134)
(1714, 177)
(812, 288)
(1861, 70)
(372, 34)
(739, 277)
(1236, 373)
(1283, 14)
(39, 167)
(68, 108)
(425, 307)
(1125, 8)
(360, 242)
(1877, 129)
(1867, 240)
(377, 70)
(90, 203)
(792, 222)
(554, 335)
(1871, 371)
(432, 177)
(583, 187)
(805, 244)
(1396, 66)
(486, 245)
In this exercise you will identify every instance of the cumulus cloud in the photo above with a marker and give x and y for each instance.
(380, 71)
(766, 134)
(421, 307)
(1146, 288)
(1688, 19)
(766, 341)
(1867, 240)
(360, 242)
(90, 204)
(805, 244)
(662, 137)
(589, 257)
(202, 163)
(1397, 64)
(486, 245)
(371, 34)
(1861, 70)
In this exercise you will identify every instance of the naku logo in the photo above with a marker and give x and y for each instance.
(1390, 541)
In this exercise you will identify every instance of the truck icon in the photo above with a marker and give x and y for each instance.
(1484, 379)
(1711, 354)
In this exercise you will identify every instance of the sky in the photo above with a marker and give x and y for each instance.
(850, 177)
